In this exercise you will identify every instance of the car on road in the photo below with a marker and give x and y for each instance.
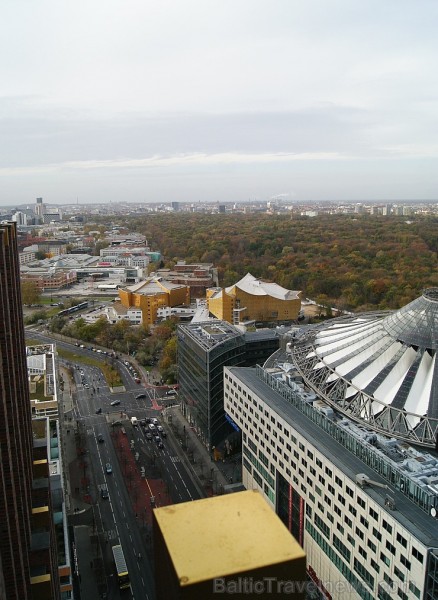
(160, 445)
(149, 435)
(157, 439)
(138, 396)
(100, 438)
(115, 402)
(104, 492)
(160, 429)
(163, 434)
(108, 468)
(154, 421)
(99, 411)
(152, 427)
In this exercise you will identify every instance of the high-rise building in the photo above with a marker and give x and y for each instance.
(40, 208)
(28, 566)
(338, 433)
(203, 351)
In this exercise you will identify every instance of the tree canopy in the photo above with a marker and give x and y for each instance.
(356, 261)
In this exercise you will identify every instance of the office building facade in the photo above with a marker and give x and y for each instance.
(367, 527)
(203, 351)
(346, 478)
(25, 575)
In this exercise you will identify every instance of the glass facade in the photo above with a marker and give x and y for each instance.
(290, 508)
(432, 576)
(202, 354)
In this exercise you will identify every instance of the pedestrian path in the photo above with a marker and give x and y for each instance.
(215, 475)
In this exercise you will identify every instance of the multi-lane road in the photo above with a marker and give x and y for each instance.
(115, 518)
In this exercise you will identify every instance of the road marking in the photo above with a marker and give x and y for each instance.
(111, 534)
(175, 459)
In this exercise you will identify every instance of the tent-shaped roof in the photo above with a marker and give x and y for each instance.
(257, 287)
(378, 367)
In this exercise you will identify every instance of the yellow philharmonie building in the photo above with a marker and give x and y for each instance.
(151, 295)
(254, 300)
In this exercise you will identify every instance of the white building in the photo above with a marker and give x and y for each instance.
(361, 503)
(41, 368)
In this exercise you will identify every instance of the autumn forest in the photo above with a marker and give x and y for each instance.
(355, 262)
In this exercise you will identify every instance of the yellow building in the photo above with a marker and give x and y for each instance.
(151, 295)
(233, 545)
(253, 300)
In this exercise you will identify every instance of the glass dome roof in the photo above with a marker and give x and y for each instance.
(416, 323)
(380, 368)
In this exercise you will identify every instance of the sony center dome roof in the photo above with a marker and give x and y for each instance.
(379, 368)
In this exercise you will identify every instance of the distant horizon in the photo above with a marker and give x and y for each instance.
(228, 202)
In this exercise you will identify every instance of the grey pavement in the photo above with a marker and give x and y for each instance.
(216, 475)
(86, 563)
(79, 512)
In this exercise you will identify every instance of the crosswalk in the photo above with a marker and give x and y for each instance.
(175, 459)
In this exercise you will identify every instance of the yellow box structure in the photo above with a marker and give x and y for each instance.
(252, 299)
(232, 544)
(150, 295)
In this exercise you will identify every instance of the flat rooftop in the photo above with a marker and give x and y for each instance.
(419, 523)
(224, 535)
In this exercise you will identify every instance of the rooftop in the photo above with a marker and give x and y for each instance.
(209, 334)
(326, 428)
(234, 541)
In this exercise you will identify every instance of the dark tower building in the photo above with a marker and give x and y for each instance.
(18, 550)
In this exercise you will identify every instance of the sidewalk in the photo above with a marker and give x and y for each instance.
(90, 575)
(213, 476)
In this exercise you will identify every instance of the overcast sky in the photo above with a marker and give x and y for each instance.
(218, 100)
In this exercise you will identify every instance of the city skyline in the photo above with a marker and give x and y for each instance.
(218, 102)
